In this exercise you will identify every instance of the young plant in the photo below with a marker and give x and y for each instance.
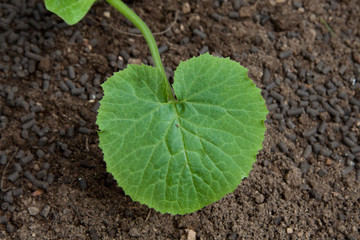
(176, 153)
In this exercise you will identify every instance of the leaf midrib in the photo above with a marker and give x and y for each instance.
(186, 156)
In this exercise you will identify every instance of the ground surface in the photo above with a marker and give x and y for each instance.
(305, 184)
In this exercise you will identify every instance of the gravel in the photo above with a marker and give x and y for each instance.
(3, 158)
(45, 211)
(13, 176)
(199, 33)
(33, 211)
(283, 147)
(302, 91)
(285, 54)
(25, 160)
(82, 183)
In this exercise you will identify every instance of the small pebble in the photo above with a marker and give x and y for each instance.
(283, 147)
(3, 158)
(84, 130)
(106, 14)
(3, 220)
(41, 174)
(24, 134)
(13, 176)
(322, 127)
(316, 147)
(9, 197)
(67, 153)
(322, 172)
(349, 142)
(217, 17)
(40, 153)
(45, 211)
(199, 33)
(295, 111)
(302, 93)
(50, 179)
(291, 76)
(46, 166)
(82, 183)
(238, 4)
(272, 107)
(203, 50)
(290, 124)
(277, 96)
(29, 176)
(347, 170)
(93, 234)
(333, 144)
(328, 162)
(10, 228)
(27, 117)
(271, 36)
(342, 69)
(325, 152)
(77, 91)
(4, 206)
(11, 208)
(285, 54)
(29, 124)
(277, 220)
(234, 15)
(70, 84)
(84, 78)
(17, 167)
(266, 77)
(33, 211)
(163, 48)
(304, 167)
(63, 86)
(309, 132)
(33, 56)
(18, 192)
(26, 159)
(46, 85)
(278, 116)
(42, 141)
(355, 149)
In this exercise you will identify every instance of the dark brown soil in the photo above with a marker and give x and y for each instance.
(304, 54)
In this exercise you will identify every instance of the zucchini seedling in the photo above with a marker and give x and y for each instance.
(176, 150)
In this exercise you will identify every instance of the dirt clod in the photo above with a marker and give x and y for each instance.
(133, 232)
(293, 177)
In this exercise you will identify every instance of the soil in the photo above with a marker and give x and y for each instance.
(304, 55)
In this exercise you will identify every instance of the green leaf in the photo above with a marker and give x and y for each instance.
(179, 157)
(71, 11)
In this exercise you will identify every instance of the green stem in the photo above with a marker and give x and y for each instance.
(144, 29)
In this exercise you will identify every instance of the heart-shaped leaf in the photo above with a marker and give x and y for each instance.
(71, 11)
(178, 157)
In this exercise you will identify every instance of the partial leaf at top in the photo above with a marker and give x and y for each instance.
(71, 11)
(180, 157)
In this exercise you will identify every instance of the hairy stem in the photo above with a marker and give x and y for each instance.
(144, 29)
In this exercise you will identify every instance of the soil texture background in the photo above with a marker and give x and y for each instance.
(304, 55)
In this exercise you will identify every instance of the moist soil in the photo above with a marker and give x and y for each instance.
(303, 54)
